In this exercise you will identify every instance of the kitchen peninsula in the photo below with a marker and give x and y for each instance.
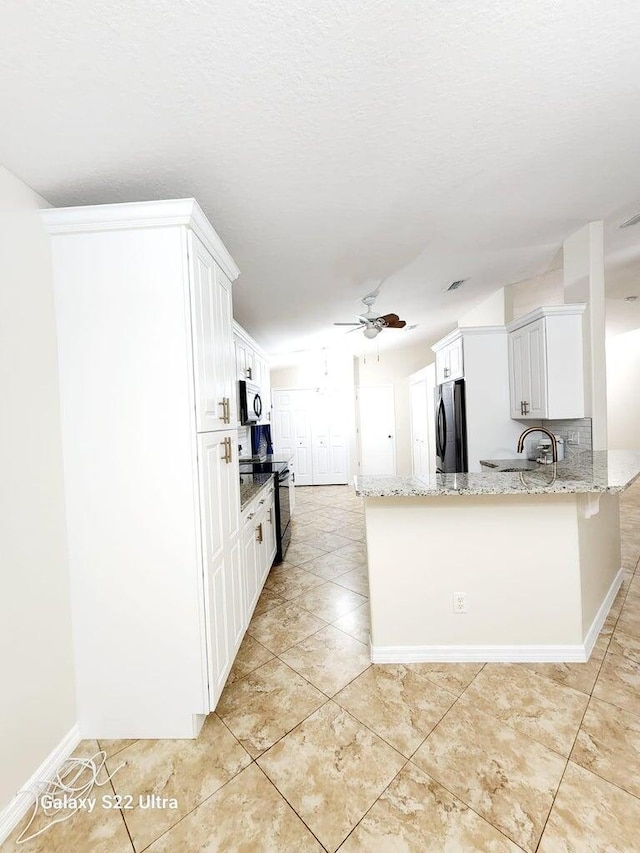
(501, 566)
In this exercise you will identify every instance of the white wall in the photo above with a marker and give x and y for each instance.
(37, 705)
(530, 293)
(394, 368)
(623, 391)
(490, 312)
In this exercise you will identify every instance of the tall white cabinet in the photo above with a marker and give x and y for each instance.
(147, 378)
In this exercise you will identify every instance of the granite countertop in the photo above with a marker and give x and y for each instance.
(250, 485)
(588, 472)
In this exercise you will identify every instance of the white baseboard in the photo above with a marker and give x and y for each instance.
(478, 654)
(603, 612)
(11, 816)
(578, 653)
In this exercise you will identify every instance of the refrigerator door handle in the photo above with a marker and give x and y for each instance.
(441, 430)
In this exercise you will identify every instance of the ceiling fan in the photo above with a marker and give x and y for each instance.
(372, 324)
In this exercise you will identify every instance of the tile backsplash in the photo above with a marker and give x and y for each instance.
(576, 434)
(244, 442)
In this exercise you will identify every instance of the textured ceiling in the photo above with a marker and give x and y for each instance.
(334, 143)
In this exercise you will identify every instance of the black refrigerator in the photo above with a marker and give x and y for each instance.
(451, 428)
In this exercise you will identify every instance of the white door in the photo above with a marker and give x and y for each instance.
(418, 398)
(292, 431)
(328, 440)
(376, 429)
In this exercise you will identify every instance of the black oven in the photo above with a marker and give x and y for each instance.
(283, 511)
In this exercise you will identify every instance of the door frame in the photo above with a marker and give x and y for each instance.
(359, 429)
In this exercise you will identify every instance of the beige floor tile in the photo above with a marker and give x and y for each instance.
(417, 815)
(187, 770)
(629, 621)
(356, 580)
(538, 707)
(111, 747)
(396, 704)
(331, 769)
(329, 659)
(619, 682)
(505, 776)
(330, 601)
(325, 541)
(299, 552)
(282, 627)
(623, 644)
(328, 567)
(357, 550)
(455, 677)
(289, 582)
(267, 600)
(579, 676)
(325, 524)
(591, 816)
(357, 623)
(251, 655)
(353, 531)
(266, 704)
(608, 744)
(100, 831)
(248, 815)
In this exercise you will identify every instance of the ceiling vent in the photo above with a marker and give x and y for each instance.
(633, 221)
(456, 284)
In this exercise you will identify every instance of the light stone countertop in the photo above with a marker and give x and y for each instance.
(587, 472)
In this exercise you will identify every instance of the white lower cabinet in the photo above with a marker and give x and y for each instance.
(258, 546)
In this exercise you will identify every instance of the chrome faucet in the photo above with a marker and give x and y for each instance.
(554, 443)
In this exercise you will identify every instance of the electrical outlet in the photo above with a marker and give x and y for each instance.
(573, 438)
(459, 602)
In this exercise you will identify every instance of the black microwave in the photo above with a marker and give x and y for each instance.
(249, 402)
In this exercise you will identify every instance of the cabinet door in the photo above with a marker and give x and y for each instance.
(442, 366)
(240, 352)
(270, 529)
(528, 372)
(518, 372)
(456, 360)
(212, 340)
(250, 569)
(237, 610)
(537, 352)
(219, 505)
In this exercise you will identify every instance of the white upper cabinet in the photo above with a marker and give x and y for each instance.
(212, 340)
(546, 375)
(252, 366)
(449, 358)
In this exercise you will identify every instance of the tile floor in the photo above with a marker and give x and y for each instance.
(314, 749)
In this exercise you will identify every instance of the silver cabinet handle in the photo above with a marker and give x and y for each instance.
(259, 533)
(249, 373)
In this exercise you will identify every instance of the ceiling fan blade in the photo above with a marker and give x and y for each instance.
(347, 324)
(399, 324)
(389, 319)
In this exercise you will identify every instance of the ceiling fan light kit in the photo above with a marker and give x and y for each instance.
(370, 323)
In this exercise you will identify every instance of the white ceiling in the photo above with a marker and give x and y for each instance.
(334, 143)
